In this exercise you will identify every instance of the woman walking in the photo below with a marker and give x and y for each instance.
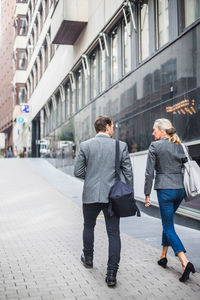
(166, 157)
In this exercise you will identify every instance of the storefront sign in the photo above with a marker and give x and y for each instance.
(25, 108)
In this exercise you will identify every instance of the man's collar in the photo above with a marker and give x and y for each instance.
(102, 134)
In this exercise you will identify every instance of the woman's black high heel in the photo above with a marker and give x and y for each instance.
(163, 262)
(189, 268)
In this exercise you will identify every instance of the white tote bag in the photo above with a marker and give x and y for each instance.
(191, 178)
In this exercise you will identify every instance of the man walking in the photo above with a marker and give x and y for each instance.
(95, 164)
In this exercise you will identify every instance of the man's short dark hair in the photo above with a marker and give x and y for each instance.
(101, 122)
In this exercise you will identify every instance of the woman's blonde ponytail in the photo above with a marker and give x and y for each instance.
(165, 124)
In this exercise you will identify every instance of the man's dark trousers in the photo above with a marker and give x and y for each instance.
(90, 213)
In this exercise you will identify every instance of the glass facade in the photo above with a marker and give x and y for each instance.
(93, 74)
(79, 90)
(163, 22)
(144, 30)
(68, 102)
(126, 30)
(166, 85)
(102, 70)
(22, 60)
(191, 11)
(114, 55)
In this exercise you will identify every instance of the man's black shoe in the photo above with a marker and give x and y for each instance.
(111, 278)
(87, 261)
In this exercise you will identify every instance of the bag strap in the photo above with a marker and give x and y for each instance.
(185, 151)
(117, 161)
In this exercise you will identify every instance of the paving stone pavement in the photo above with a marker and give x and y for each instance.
(41, 241)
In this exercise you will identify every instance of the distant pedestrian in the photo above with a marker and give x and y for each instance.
(9, 152)
(24, 151)
(166, 157)
(95, 164)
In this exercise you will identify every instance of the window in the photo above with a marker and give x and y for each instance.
(22, 26)
(36, 29)
(144, 30)
(86, 72)
(58, 109)
(41, 64)
(68, 102)
(22, 93)
(54, 111)
(72, 93)
(79, 89)
(32, 82)
(191, 11)
(102, 70)
(53, 49)
(126, 35)
(114, 54)
(63, 103)
(22, 60)
(51, 119)
(46, 54)
(93, 63)
(46, 8)
(162, 22)
(104, 53)
(28, 89)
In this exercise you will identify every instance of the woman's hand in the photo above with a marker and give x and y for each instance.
(147, 201)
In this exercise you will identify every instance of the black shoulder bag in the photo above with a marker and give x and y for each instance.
(121, 197)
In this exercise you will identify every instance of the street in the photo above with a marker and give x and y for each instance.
(41, 242)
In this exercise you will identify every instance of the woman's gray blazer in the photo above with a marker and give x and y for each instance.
(95, 164)
(166, 158)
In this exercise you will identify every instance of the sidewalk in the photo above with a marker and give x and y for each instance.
(41, 241)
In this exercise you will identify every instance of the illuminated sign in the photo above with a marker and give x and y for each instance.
(182, 107)
(20, 120)
(25, 108)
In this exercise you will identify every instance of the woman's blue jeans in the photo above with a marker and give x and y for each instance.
(169, 201)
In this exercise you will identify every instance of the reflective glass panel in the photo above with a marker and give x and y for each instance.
(163, 22)
(79, 89)
(144, 31)
(191, 11)
(126, 47)
(93, 62)
(114, 55)
(102, 70)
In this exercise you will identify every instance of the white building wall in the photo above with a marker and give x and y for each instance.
(100, 12)
(2, 140)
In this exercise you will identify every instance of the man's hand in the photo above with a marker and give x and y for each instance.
(147, 201)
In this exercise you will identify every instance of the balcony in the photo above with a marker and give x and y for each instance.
(68, 20)
(20, 76)
(20, 42)
(21, 9)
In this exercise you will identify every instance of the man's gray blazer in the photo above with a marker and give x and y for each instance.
(95, 164)
(166, 158)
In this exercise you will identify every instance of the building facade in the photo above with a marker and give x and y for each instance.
(6, 66)
(133, 60)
